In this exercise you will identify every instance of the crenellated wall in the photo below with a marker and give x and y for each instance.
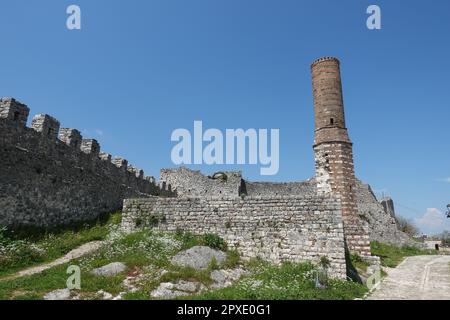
(276, 228)
(51, 176)
(190, 183)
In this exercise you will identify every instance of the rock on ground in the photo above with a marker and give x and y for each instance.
(225, 278)
(60, 294)
(221, 279)
(168, 290)
(110, 270)
(198, 257)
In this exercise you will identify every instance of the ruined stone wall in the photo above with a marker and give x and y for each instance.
(266, 189)
(46, 181)
(382, 225)
(274, 228)
(189, 183)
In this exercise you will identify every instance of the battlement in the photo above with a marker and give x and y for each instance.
(14, 111)
(323, 59)
(62, 176)
(47, 125)
(71, 137)
(90, 146)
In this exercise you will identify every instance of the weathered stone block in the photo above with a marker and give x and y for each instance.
(46, 125)
(14, 111)
(90, 146)
(71, 137)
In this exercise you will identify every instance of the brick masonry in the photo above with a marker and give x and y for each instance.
(333, 151)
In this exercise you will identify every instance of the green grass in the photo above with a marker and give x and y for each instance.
(22, 252)
(36, 286)
(138, 251)
(358, 262)
(148, 253)
(391, 256)
(286, 282)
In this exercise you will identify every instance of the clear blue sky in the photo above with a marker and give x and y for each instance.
(140, 69)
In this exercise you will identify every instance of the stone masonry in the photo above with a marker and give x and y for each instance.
(296, 221)
(189, 183)
(275, 228)
(51, 177)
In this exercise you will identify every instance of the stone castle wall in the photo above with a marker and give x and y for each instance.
(289, 228)
(382, 224)
(269, 189)
(51, 177)
(188, 183)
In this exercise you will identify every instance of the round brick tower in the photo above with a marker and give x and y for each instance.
(333, 151)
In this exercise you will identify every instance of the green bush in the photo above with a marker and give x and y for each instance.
(213, 241)
(232, 260)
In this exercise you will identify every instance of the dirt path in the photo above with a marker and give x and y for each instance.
(74, 254)
(417, 278)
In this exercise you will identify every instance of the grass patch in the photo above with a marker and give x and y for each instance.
(232, 260)
(146, 252)
(19, 252)
(190, 240)
(391, 256)
(188, 274)
(286, 282)
(34, 287)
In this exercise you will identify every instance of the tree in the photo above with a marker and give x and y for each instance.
(407, 226)
(445, 237)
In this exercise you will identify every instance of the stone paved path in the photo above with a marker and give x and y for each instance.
(416, 278)
(74, 254)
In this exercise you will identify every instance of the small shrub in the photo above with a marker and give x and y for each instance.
(213, 264)
(324, 262)
(407, 226)
(153, 221)
(179, 232)
(213, 241)
(139, 222)
(3, 238)
(232, 260)
(187, 239)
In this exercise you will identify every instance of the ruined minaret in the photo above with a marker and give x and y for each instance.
(333, 151)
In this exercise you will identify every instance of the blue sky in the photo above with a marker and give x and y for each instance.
(137, 70)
